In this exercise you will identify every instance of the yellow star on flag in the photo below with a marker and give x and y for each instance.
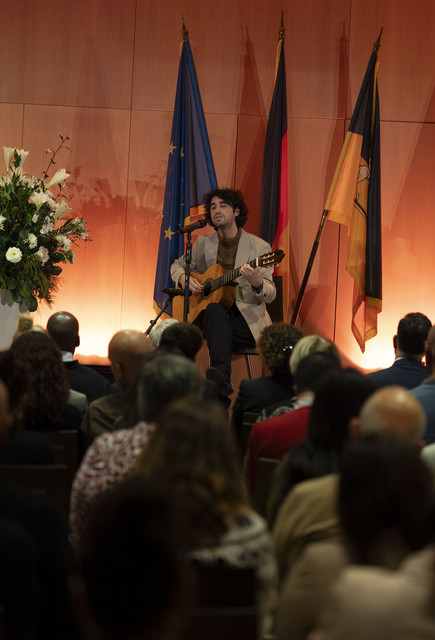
(171, 148)
(168, 233)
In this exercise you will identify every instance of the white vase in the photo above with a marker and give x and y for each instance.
(9, 312)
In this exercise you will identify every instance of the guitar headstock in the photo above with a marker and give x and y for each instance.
(271, 258)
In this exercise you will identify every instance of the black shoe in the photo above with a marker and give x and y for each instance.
(223, 384)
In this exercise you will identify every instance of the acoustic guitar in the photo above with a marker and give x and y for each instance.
(219, 286)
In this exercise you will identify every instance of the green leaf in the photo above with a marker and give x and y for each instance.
(11, 283)
(24, 290)
(31, 303)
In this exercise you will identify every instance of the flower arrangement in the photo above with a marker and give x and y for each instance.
(36, 233)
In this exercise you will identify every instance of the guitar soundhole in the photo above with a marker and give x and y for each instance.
(207, 289)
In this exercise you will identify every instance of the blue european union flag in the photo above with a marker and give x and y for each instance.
(190, 172)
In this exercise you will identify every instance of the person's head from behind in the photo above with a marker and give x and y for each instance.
(394, 412)
(339, 397)
(386, 500)
(412, 332)
(182, 337)
(130, 584)
(164, 377)
(63, 327)
(25, 324)
(127, 349)
(47, 388)
(192, 454)
(231, 197)
(309, 345)
(312, 369)
(158, 328)
(276, 344)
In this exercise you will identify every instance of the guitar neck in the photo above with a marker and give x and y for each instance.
(231, 275)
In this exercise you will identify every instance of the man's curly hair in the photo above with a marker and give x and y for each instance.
(233, 197)
(276, 344)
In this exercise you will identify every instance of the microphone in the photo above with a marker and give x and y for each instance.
(199, 224)
(175, 292)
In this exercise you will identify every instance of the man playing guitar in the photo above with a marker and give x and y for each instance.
(239, 326)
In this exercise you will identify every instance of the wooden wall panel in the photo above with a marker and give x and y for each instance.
(71, 53)
(97, 162)
(406, 72)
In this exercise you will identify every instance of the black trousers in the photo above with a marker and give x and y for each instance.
(225, 332)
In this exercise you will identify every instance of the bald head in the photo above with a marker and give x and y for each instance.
(63, 327)
(127, 349)
(394, 412)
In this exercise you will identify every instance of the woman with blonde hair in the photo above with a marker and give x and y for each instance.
(191, 455)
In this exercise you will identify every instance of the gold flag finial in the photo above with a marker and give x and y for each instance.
(184, 31)
(282, 28)
(378, 42)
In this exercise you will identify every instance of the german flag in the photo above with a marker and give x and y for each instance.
(355, 200)
(274, 197)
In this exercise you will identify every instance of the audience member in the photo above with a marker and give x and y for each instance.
(309, 511)
(390, 412)
(25, 324)
(275, 346)
(157, 330)
(44, 403)
(192, 455)
(387, 508)
(275, 437)
(184, 337)
(130, 582)
(425, 392)
(18, 446)
(163, 377)
(63, 327)
(407, 370)
(127, 349)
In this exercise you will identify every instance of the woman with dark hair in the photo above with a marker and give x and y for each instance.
(44, 404)
(338, 398)
(191, 454)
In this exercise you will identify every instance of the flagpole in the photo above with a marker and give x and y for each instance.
(318, 236)
(308, 268)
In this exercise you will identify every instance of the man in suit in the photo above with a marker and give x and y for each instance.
(231, 247)
(425, 392)
(409, 343)
(127, 349)
(63, 327)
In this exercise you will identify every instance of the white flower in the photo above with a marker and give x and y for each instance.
(63, 240)
(13, 254)
(23, 155)
(39, 198)
(71, 257)
(32, 240)
(47, 227)
(59, 176)
(61, 208)
(8, 154)
(84, 235)
(35, 218)
(2, 220)
(42, 253)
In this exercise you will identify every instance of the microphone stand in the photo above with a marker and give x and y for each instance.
(171, 296)
(188, 260)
